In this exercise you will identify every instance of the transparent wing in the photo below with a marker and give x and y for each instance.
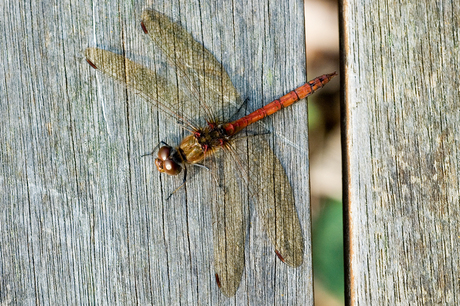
(203, 74)
(271, 191)
(229, 224)
(249, 169)
(155, 88)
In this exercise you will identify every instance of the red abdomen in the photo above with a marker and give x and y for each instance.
(272, 107)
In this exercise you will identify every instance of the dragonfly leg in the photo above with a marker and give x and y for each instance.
(156, 147)
(254, 133)
(185, 176)
(236, 114)
(181, 185)
(250, 133)
(201, 166)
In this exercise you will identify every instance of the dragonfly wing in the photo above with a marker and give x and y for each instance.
(204, 74)
(155, 88)
(272, 192)
(229, 225)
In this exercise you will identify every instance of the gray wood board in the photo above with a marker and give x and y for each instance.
(401, 118)
(83, 216)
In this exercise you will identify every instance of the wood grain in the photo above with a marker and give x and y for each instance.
(401, 143)
(84, 219)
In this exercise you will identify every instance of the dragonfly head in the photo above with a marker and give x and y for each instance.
(166, 163)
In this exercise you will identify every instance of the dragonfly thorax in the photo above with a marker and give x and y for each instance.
(195, 147)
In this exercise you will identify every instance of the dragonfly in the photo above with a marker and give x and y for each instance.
(240, 162)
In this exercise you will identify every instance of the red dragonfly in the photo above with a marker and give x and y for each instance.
(242, 165)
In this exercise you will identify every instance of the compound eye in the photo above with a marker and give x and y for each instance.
(164, 153)
(171, 167)
(159, 164)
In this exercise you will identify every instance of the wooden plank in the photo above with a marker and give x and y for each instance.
(84, 218)
(401, 115)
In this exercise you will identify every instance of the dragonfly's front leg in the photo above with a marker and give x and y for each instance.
(156, 147)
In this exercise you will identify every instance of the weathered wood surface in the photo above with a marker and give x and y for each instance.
(83, 217)
(402, 162)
